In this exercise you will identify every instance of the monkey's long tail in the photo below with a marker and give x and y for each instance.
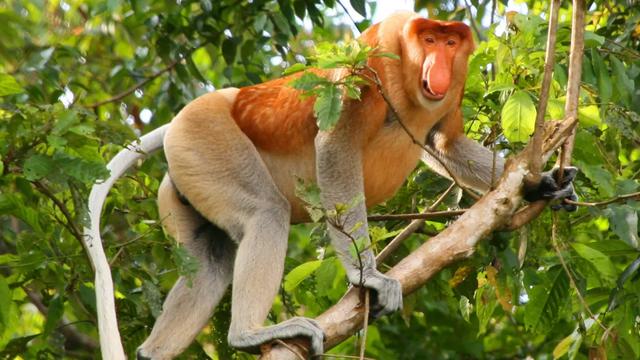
(110, 344)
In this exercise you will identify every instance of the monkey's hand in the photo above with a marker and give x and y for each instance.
(387, 292)
(550, 189)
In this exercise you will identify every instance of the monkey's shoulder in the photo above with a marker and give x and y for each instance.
(274, 116)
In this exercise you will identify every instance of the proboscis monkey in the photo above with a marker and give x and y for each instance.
(234, 157)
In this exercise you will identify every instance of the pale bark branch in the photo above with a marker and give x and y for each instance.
(549, 62)
(575, 74)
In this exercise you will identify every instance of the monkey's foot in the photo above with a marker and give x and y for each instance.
(387, 292)
(550, 189)
(250, 340)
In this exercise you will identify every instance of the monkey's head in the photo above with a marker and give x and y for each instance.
(435, 55)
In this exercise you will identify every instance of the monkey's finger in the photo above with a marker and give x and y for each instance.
(568, 174)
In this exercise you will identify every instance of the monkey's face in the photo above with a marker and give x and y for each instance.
(436, 54)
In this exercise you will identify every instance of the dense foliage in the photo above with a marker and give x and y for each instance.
(80, 79)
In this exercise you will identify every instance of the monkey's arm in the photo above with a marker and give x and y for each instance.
(340, 178)
(475, 166)
(470, 163)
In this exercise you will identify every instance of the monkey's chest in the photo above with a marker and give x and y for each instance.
(387, 162)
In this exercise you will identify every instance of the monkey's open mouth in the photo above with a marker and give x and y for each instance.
(428, 93)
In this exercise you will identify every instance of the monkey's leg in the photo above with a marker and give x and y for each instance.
(257, 275)
(220, 171)
(191, 301)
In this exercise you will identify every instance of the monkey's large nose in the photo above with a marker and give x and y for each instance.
(428, 92)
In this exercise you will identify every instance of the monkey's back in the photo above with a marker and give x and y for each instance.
(274, 116)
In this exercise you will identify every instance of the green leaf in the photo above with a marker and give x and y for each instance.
(37, 167)
(153, 297)
(309, 81)
(601, 178)
(299, 273)
(630, 271)
(465, 308)
(498, 86)
(624, 84)
(555, 109)
(17, 347)
(310, 194)
(229, 48)
(56, 310)
(591, 39)
(193, 68)
(589, 115)
(331, 279)
(206, 5)
(187, 264)
(604, 80)
(599, 260)
(328, 107)
(486, 304)
(9, 85)
(518, 117)
(359, 6)
(5, 303)
(624, 221)
(297, 67)
(546, 300)
(567, 344)
(260, 22)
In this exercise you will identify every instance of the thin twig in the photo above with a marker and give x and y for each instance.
(536, 159)
(137, 86)
(571, 111)
(365, 325)
(573, 88)
(411, 228)
(632, 196)
(290, 348)
(565, 267)
(340, 227)
(355, 24)
(67, 329)
(70, 225)
(422, 215)
(472, 21)
(337, 356)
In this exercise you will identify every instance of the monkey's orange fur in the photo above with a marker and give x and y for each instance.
(282, 126)
(274, 116)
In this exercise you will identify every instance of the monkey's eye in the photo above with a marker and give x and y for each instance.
(430, 40)
(451, 42)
